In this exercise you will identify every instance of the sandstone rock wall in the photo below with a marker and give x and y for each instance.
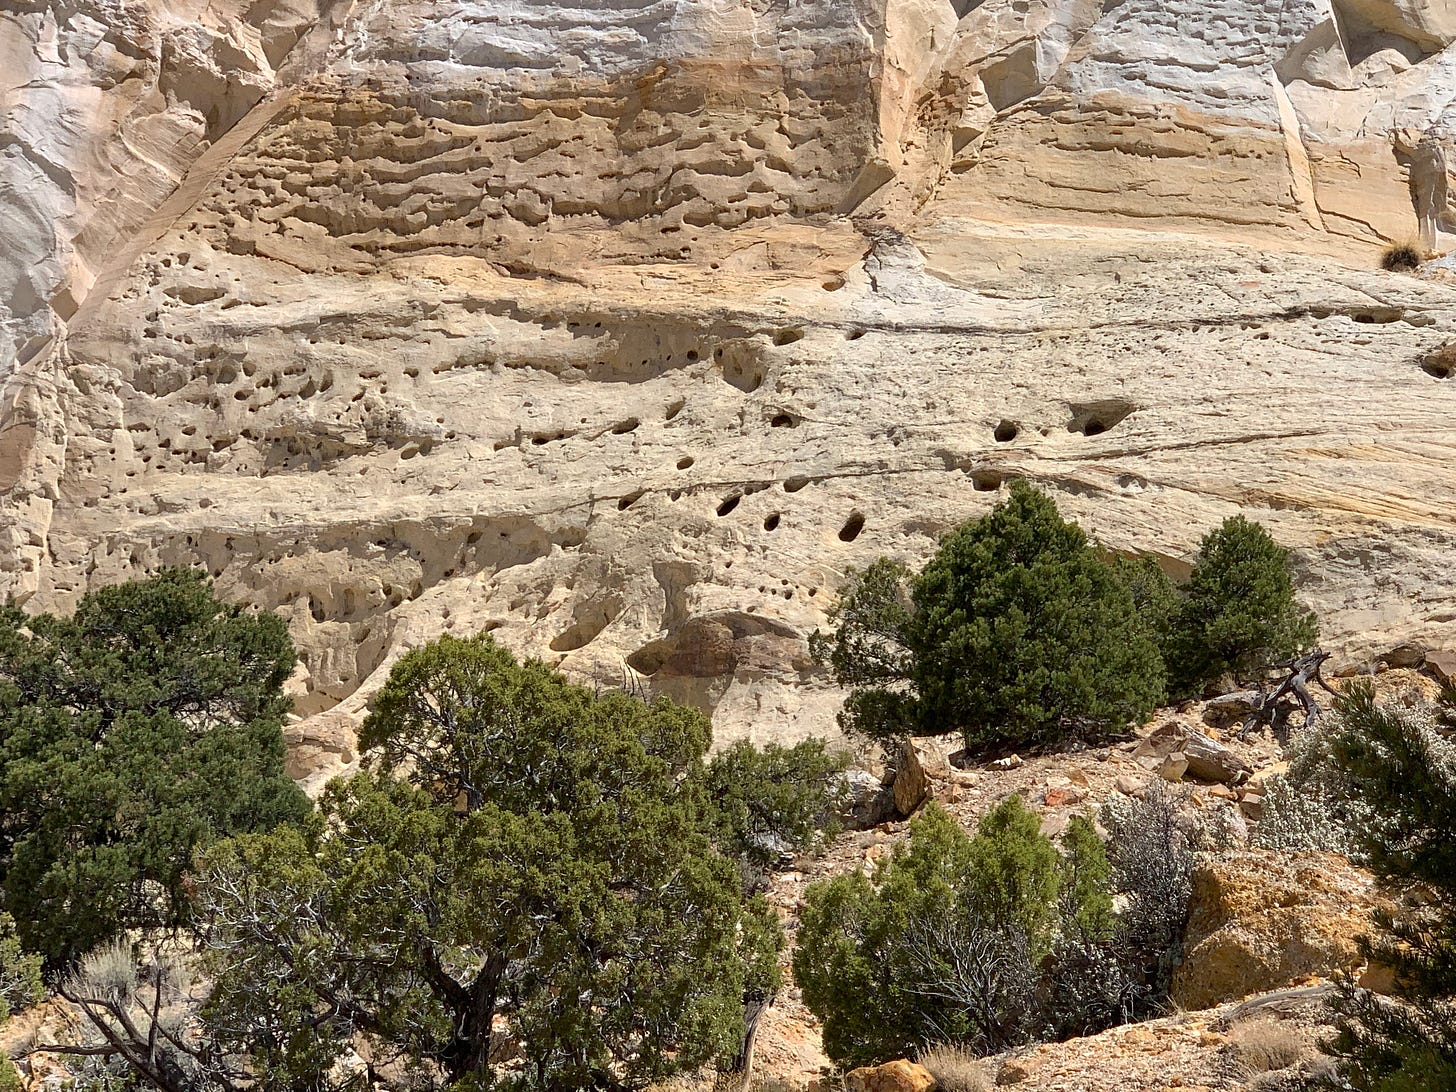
(625, 329)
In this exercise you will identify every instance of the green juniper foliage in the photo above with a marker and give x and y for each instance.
(20, 983)
(991, 941)
(1404, 774)
(133, 734)
(769, 801)
(516, 847)
(1016, 632)
(1239, 611)
(1021, 632)
(20, 986)
(870, 651)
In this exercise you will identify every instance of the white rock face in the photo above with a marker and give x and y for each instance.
(625, 329)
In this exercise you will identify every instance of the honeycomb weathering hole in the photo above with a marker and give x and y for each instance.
(771, 523)
(1095, 418)
(1006, 431)
(852, 527)
(794, 484)
(986, 481)
(685, 462)
(729, 503)
(1441, 363)
(784, 420)
(787, 337)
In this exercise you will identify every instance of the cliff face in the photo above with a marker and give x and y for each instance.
(625, 328)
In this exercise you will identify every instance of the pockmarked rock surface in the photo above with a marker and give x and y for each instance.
(1261, 920)
(625, 329)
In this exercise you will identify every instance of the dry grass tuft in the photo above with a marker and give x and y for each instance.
(1401, 258)
(955, 1069)
(1262, 1045)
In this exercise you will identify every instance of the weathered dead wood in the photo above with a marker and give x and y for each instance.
(1290, 694)
(1283, 1002)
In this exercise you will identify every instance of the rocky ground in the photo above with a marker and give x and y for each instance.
(1267, 933)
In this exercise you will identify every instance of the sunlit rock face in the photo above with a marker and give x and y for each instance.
(625, 329)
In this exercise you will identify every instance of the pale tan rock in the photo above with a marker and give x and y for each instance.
(1131, 786)
(626, 338)
(1173, 766)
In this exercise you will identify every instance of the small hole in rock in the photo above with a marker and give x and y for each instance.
(629, 500)
(1441, 363)
(1095, 418)
(1006, 431)
(784, 420)
(729, 503)
(674, 409)
(852, 527)
(794, 484)
(621, 428)
(771, 523)
(854, 335)
(787, 337)
(986, 481)
(685, 462)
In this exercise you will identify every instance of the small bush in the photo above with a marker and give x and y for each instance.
(1401, 258)
(1152, 864)
(955, 1068)
(20, 983)
(1239, 613)
(1261, 1045)
(1017, 632)
(1023, 636)
(1402, 768)
(990, 942)
(1313, 806)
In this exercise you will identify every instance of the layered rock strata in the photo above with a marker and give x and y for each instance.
(626, 330)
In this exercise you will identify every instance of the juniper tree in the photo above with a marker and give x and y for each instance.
(1239, 612)
(1403, 773)
(133, 734)
(519, 855)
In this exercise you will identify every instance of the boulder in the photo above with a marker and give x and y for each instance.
(1010, 762)
(900, 1075)
(1227, 710)
(1131, 786)
(911, 786)
(866, 803)
(1407, 655)
(1261, 920)
(1208, 760)
(1173, 767)
(1442, 664)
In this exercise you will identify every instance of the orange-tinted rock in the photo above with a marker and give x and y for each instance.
(1262, 920)
(897, 1076)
